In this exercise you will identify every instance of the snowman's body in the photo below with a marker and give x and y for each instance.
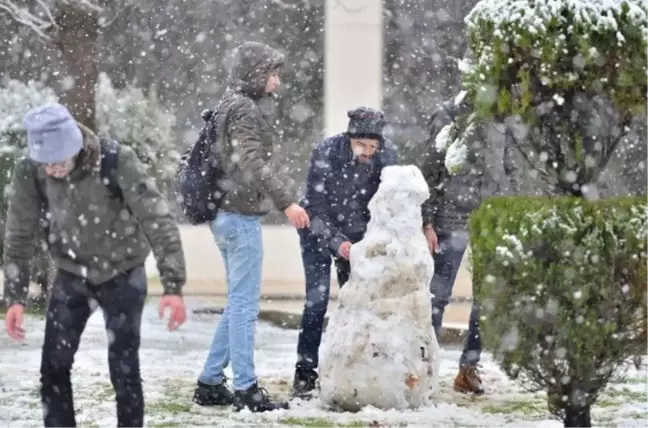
(379, 348)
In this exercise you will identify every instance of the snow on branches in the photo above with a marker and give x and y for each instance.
(126, 115)
(510, 17)
(43, 20)
(526, 52)
(536, 63)
(16, 99)
(140, 121)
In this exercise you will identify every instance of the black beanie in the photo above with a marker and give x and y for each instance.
(365, 122)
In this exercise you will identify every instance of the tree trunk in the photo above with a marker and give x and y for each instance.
(77, 38)
(577, 417)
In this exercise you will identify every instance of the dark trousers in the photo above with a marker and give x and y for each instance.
(71, 303)
(446, 266)
(317, 260)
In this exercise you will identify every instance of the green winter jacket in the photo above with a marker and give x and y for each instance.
(250, 135)
(92, 234)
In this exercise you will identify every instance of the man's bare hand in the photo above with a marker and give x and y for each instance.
(178, 311)
(431, 237)
(344, 250)
(297, 216)
(14, 322)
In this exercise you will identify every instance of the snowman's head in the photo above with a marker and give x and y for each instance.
(402, 187)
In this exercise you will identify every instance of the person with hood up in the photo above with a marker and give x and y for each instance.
(99, 241)
(249, 139)
(343, 175)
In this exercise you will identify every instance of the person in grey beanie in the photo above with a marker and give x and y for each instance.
(343, 175)
(104, 214)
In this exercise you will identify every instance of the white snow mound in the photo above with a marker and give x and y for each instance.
(379, 348)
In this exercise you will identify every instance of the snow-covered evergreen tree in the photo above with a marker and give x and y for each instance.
(16, 99)
(140, 122)
(561, 281)
(566, 76)
(126, 115)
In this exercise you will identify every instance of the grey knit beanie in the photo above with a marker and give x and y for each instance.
(52, 134)
(365, 122)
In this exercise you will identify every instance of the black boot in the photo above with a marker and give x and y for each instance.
(305, 384)
(257, 400)
(213, 395)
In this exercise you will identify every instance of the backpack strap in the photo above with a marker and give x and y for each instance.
(109, 163)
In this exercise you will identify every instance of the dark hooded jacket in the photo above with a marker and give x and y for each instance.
(92, 234)
(248, 124)
(338, 189)
(489, 170)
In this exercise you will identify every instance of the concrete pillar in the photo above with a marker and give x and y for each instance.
(353, 39)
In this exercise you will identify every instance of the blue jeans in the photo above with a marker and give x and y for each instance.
(241, 245)
(317, 258)
(446, 266)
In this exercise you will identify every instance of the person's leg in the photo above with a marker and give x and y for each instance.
(446, 266)
(244, 261)
(245, 257)
(316, 259)
(453, 247)
(122, 301)
(468, 379)
(472, 348)
(67, 314)
(212, 389)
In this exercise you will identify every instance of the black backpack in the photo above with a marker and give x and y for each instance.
(109, 158)
(200, 177)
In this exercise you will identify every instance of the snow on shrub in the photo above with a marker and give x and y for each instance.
(16, 99)
(535, 62)
(561, 281)
(562, 289)
(594, 45)
(126, 115)
(140, 122)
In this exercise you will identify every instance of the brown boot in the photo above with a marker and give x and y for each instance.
(468, 381)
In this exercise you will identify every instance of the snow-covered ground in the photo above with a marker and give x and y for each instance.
(171, 362)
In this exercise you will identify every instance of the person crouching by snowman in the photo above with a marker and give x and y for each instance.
(343, 175)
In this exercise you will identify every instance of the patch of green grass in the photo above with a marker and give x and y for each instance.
(166, 425)
(103, 391)
(170, 407)
(629, 380)
(525, 407)
(322, 422)
(35, 392)
(606, 402)
(29, 399)
(627, 395)
(174, 403)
